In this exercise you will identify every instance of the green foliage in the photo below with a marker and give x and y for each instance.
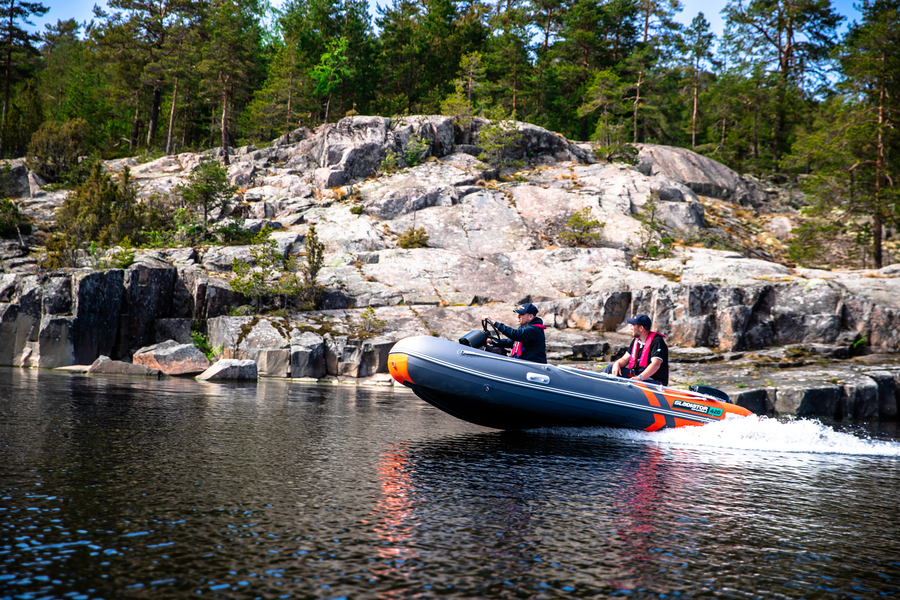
(207, 190)
(413, 238)
(55, 148)
(459, 104)
(370, 322)
(231, 233)
(12, 223)
(270, 275)
(253, 279)
(357, 209)
(416, 150)
(104, 212)
(808, 245)
(123, 257)
(652, 244)
(498, 137)
(389, 164)
(581, 229)
(200, 340)
(331, 71)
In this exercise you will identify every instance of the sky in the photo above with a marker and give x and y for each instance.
(82, 10)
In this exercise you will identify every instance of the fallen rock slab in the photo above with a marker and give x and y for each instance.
(106, 366)
(172, 358)
(231, 369)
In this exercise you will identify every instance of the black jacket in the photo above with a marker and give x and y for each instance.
(534, 346)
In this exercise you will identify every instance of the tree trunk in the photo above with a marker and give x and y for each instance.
(694, 113)
(172, 118)
(879, 179)
(8, 76)
(756, 132)
(212, 129)
(225, 160)
(154, 116)
(547, 30)
(135, 125)
(637, 103)
(290, 95)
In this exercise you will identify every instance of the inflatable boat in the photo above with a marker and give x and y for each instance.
(508, 393)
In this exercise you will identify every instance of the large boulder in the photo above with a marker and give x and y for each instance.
(704, 176)
(106, 366)
(350, 149)
(230, 369)
(437, 183)
(172, 358)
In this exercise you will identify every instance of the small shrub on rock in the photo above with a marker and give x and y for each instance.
(581, 229)
(413, 238)
(499, 137)
(416, 150)
(370, 322)
(389, 164)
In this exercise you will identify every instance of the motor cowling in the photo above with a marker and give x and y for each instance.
(474, 339)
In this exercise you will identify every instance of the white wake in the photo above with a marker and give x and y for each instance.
(750, 433)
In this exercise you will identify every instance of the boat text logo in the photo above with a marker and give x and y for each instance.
(706, 410)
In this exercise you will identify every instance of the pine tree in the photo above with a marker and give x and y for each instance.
(17, 44)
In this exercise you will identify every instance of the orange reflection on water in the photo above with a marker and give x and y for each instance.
(393, 516)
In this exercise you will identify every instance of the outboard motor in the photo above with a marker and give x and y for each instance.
(474, 339)
(710, 391)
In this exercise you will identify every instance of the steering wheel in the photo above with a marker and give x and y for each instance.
(493, 334)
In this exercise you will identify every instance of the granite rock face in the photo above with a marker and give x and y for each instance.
(704, 176)
(496, 237)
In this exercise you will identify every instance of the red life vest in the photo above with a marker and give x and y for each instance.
(516, 351)
(645, 355)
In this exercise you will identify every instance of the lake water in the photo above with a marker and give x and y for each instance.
(114, 487)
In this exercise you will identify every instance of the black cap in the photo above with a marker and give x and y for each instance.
(642, 320)
(527, 308)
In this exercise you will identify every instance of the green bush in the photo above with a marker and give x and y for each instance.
(230, 233)
(370, 322)
(498, 136)
(54, 148)
(207, 189)
(104, 212)
(389, 164)
(413, 238)
(12, 223)
(271, 276)
(581, 229)
(416, 150)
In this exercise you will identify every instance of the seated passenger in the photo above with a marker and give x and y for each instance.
(527, 341)
(648, 359)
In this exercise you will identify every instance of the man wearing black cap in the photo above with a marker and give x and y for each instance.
(527, 342)
(648, 359)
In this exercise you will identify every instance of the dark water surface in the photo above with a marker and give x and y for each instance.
(118, 487)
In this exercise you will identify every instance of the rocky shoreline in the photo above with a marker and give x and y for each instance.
(494, 240)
